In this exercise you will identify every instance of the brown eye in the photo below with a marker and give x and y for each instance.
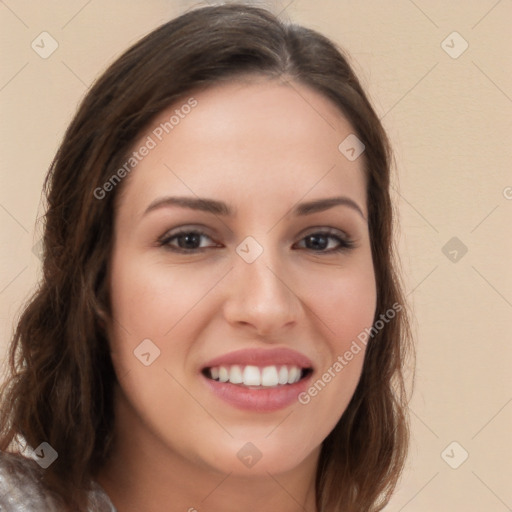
(319, 241)
(187, 241)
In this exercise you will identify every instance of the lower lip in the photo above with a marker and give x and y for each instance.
(258, 400)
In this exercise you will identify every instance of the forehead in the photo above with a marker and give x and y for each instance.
(250, 142)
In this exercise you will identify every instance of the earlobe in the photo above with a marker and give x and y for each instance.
(102, 318)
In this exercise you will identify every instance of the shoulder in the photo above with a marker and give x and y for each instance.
(22, 490)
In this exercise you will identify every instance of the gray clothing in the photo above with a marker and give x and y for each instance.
(21, 489)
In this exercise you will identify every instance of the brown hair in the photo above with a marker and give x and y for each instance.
(61, 387)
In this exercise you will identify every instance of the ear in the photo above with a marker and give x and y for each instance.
(102, 318)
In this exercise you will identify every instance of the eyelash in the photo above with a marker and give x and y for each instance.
(344, 244)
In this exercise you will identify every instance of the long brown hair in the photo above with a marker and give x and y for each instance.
(61, 387)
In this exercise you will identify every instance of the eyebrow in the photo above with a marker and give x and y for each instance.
(221, 208)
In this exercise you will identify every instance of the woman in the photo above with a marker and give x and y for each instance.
(261, 370)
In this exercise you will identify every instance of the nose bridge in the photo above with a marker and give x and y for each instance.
(261, 295)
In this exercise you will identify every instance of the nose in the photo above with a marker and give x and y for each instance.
(261, 298)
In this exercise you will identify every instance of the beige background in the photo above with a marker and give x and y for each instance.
(450, 124)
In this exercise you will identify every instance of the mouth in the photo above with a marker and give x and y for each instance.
(256, 377)
(258, 380)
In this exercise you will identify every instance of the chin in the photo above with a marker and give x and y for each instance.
(259, 458)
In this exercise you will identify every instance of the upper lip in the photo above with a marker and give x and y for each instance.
(261, 357)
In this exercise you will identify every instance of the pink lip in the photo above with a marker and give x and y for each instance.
(259, 399)
(261, 357)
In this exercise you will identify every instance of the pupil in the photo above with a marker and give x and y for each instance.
(315, 239)
(191, 238)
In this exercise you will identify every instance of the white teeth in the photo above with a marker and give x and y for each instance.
(252, 376)
(223, 374)
(268, 376)
(235, 375)
(293, 375)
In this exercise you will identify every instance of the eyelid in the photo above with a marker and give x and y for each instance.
(205, 230)
(188, 228)
(325, 229)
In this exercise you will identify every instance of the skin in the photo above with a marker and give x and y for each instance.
(262, 146)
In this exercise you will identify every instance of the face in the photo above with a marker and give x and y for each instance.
(233, 317)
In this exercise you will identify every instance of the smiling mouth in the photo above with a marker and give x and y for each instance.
(256, 377)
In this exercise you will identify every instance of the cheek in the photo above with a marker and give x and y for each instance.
(343, 300)
(344, 306)
(148, 299)
(351, 309)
